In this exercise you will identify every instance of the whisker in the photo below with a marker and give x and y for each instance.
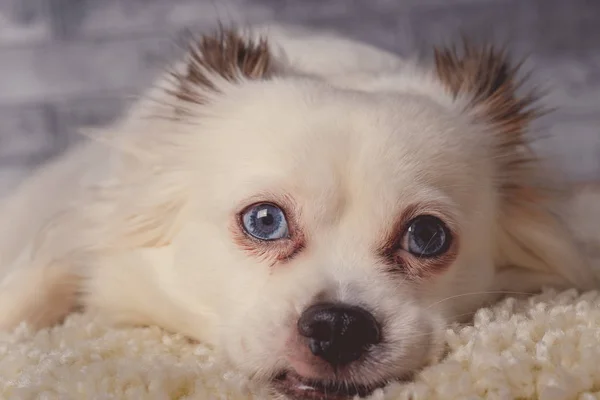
(477, 294)
(456, 316)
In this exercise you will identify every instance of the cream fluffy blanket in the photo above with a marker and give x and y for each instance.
(546, 347)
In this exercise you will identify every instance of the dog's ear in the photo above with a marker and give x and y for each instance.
(149, 199)
(530, 233)
(487, 85)
(225, 56)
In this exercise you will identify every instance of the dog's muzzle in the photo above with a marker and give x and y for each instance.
(333, 337)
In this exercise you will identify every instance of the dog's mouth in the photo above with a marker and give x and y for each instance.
(296, 387)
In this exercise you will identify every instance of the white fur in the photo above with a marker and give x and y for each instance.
(136, 224)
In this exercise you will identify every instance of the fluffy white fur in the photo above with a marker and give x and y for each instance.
(136, 225)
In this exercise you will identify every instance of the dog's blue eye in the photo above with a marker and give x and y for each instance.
(265, 221)
(427, 236)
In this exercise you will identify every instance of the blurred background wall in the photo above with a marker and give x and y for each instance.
(71, 63)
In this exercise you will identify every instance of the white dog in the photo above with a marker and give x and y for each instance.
(316, 208)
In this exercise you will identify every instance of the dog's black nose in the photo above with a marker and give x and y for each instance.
(338, 333)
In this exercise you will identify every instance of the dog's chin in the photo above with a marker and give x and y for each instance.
(296, 387)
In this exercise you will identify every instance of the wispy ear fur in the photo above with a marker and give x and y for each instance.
(530, 233)
(225, 55)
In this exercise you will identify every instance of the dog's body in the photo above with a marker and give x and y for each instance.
(351, 145)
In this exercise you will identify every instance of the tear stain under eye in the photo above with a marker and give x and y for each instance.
(415, 268)
(273, 252)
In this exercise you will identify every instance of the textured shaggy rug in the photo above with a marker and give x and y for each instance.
(545, 347)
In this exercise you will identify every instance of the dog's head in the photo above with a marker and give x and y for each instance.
(328, 231)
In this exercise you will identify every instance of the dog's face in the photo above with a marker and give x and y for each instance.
(334, 230)
(334, 226)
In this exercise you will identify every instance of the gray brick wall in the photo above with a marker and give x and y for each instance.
(73, 63)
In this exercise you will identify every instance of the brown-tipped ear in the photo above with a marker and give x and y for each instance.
(487, 79)
(223, 55)
(484, 78)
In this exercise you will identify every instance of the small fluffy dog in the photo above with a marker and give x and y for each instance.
(318, 209)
